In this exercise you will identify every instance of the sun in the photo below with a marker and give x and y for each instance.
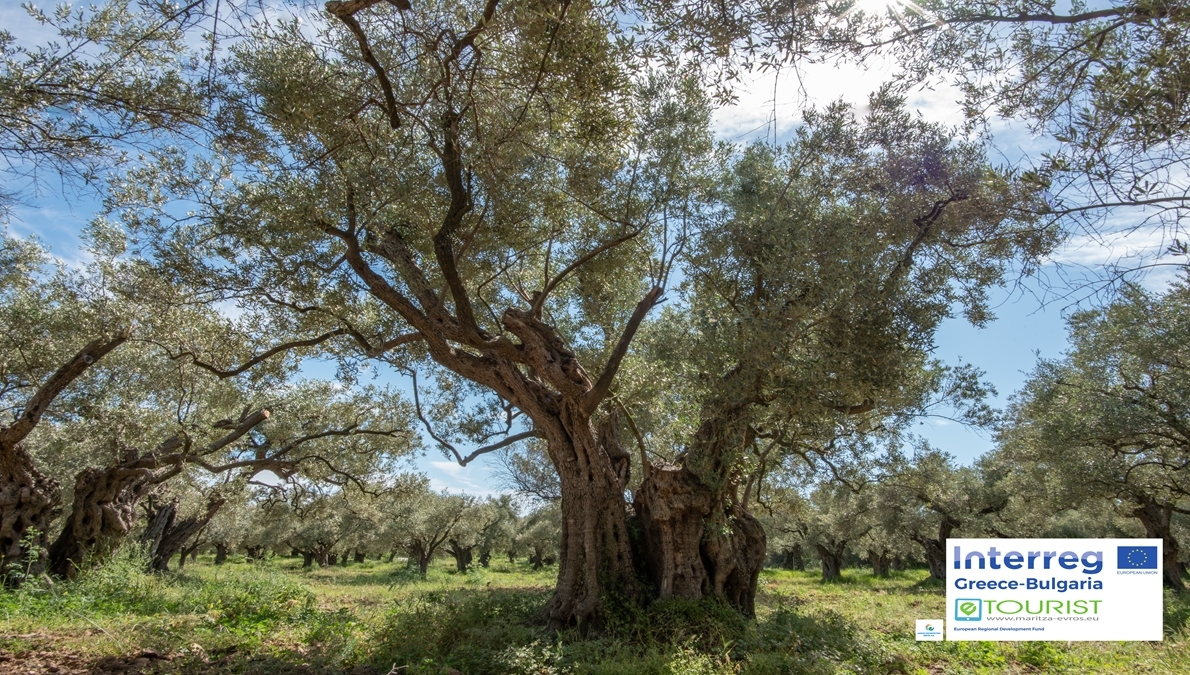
(893, 9)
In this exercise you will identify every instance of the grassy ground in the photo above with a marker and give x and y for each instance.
(364, 619)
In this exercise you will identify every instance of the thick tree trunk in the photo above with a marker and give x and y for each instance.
(254, 552)
(326, 559)
(512, 557)
(697, 542)
(176, 533)
(485, 557)
(103, 511)
(360, 556)
(898, 563)
(935, 548)
(220, 554)
(1158, 521)
(595, 551)
(832, 559)
(423, 565)
(29, 503)
(799, 560)
(461, 554)
(29, 500)
(881, 562)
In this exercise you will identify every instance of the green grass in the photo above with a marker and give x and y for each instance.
(275, 617)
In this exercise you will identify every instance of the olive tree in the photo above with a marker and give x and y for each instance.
(1107, 421)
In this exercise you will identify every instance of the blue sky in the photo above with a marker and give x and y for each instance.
(768, 108)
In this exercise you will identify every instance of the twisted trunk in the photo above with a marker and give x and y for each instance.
(461, 554)
(881, 562)
(29, 502)
(595, 553)
(697, 541)
(935, 549)
(174, 536)
(103, 512)
(1158, 521)
(831, 557)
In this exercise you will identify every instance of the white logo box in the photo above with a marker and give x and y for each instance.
(1053, 589)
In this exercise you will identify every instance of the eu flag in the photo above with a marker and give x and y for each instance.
(1136, 557)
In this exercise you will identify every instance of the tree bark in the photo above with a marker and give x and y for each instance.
(697, 542)
(103, 511)
(29, 502)
(360, 556)
(799, 560)
(173, 538)
(832, 559)
(1158, 521)
(485, 557)
(307, 559)
(461, 554)
(881, 562)
(935, 549)
(220, 554)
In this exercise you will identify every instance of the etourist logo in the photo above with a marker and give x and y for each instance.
(968, 609)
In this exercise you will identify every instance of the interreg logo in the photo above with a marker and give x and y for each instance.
(1136, 557)
(968, 609)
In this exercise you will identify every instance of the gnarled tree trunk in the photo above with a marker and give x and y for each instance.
(29, 503)
(881, 562)
(360, 556)
(220, 553)
(173, 537)
(103, 511)
(697, 541)
(935, 548)
(1158, 521)
(832, 559)
(461, 554)
(29, 500)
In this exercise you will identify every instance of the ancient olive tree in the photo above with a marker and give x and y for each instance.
(54, 333)
(1108, 421)
(488, 196)
(926, 498)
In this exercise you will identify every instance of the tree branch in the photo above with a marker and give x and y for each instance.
(49, 390)
(597, 393)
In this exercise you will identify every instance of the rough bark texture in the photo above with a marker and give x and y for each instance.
(935, 549)
(360, 556)
(174, 536)
(881, 562)
(595, 553)
(1158, 521)
(220, 554)
(29, 502)
(831, 556)
(461, 554)
(103, 511)
(697, 542)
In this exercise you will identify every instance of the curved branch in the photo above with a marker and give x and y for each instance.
(49, 390)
